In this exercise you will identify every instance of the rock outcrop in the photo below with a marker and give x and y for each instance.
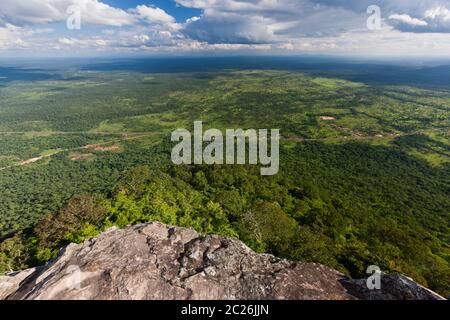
(392, 287)
(155, 261)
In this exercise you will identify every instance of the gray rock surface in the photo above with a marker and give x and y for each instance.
(10, 283)
(393, 287)
(155, 261)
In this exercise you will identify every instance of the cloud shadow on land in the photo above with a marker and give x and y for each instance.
(369, 73)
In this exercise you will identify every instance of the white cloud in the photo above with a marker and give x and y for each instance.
(13, 36)
(66, 41)
(223, 27)
(329, 26)
(267, 21)
(28, 12)
(439, 18)
(434, 19)
(8, 35)
(153, 14)
(438, 13)
(404, 18)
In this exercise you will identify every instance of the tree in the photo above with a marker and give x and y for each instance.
(14, 254)
(79, 211)
(269, 227)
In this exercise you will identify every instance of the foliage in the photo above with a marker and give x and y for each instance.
(14, 254)
(79, 213)
(372, 190)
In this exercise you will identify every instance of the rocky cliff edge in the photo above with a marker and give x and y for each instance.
(155, 261)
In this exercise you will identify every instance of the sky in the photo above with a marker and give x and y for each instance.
(366, 28)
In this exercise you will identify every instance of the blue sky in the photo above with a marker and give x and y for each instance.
(367, 28)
